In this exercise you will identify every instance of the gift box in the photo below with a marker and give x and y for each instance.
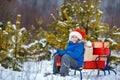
(101, 48)
(58, 60)
(94, 57)
(101, 51)
(100, 44)
(99, 58)
(88, 53)
(93, 65)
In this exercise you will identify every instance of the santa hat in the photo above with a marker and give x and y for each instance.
(78, 33)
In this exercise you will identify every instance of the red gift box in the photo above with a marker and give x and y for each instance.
(100, 44)
(101, 51)
(101, 48)
(93, 65)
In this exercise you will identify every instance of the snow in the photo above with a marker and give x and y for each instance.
(84, 1)
(41, 41)
(114, 53)
(92, 6)
(5, 32)
(21, 30)
(118, 33)
(36, 71)
(11, 51)
(14, 41)
(53, 16)
(113, 42)
(14, 27)
(81, 9)
(62, 23)
(100, 11)
(93, 21)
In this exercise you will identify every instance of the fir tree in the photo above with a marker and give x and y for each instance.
(12, 42)
(14, 48)
(83, 14)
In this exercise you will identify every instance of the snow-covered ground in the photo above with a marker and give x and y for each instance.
(37, 71)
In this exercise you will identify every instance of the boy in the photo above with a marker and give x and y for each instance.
(73, 55)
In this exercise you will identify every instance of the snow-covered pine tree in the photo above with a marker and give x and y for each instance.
(113, 36)
(12, 39)
(83, 14)
(14, 48)
(3, 43)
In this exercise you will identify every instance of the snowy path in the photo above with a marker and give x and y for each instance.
(37, 70)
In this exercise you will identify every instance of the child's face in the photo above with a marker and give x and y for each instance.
(74, 39)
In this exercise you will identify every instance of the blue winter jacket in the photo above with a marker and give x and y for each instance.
(75, 50)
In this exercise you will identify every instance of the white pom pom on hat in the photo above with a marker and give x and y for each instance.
(78, 33)
(89, 43)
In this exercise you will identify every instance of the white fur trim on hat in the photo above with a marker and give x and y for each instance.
(75, 33)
